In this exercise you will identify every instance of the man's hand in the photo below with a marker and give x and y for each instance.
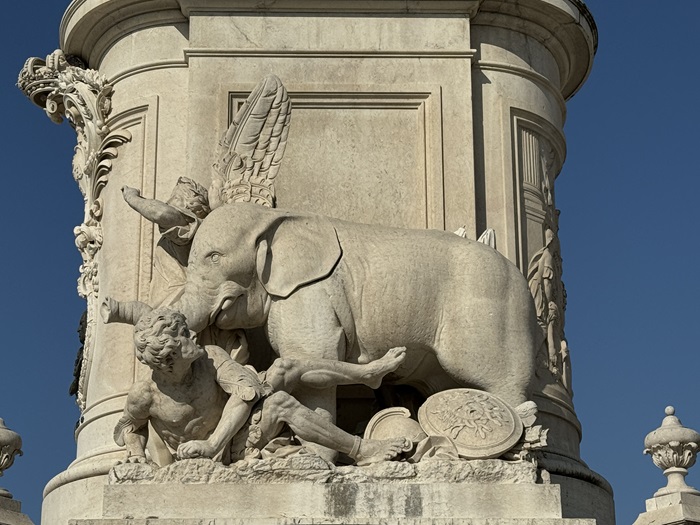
(130, 193)
(133, 459)
(196, 449)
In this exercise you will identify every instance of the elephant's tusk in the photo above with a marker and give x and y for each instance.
(228, 303)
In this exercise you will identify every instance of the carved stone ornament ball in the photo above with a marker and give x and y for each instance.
(480, 424)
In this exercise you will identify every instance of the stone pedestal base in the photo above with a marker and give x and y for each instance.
(435, 492)
(336, 504)
(304, 521)
(11, 513)
(678, 509)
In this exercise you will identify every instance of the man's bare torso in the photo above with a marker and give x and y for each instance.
(191, 410)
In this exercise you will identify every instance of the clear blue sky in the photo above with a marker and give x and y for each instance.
(628, 195)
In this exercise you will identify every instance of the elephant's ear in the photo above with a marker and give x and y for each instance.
(296, 250)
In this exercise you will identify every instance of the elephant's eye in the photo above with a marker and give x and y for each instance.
(215, 257)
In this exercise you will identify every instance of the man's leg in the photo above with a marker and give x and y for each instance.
(312, 427)
(287, 374)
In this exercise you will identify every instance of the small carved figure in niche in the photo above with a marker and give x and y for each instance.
(198, 399)
(544, 278)
(82, 326)
(177, 220)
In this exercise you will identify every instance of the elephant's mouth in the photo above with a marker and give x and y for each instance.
(225, 304)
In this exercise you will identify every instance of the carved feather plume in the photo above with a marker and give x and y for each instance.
(251, 151)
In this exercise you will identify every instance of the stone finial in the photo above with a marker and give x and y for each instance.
(10, 446)
(673, 448)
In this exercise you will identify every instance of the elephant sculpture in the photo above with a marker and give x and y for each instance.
(332, 289)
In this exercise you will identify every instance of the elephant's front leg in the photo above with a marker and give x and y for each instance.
(304, 326)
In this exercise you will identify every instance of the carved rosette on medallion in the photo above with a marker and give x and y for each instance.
(66, 89)
(480, 425)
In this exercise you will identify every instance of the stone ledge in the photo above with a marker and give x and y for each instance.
(302, 521)
(322, 503)
(676, 509)
(310, 468)
(10, 513)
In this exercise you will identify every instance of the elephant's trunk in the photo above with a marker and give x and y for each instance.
(128, 312)
(195, 304)
(201, 304)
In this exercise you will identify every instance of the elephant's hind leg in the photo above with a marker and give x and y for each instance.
(497, 368)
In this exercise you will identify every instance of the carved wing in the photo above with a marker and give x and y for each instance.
(251, 151)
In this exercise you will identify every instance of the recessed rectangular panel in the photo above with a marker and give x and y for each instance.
(362, 157)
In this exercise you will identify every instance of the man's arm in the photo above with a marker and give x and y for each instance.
(162, 214)
(233, 417)
(244, 393)
(132, 429)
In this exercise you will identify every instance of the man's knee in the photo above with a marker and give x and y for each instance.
(279, 404)
(281, 370)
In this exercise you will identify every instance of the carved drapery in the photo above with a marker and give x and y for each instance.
(64, 88)
(538, 164)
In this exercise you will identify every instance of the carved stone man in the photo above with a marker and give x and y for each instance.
(544, 277)
(177, 220)
(198, 399)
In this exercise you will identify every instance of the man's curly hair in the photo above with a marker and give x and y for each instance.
(192, 196)
(154, 331)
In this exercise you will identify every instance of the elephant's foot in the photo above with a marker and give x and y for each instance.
(368, 451)
(376, 370)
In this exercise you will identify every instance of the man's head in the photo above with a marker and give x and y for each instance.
(191, 196)
(163, 341)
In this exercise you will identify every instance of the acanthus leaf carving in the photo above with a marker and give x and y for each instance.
(66, 90)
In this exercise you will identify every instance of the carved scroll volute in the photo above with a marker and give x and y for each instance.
(66, 89)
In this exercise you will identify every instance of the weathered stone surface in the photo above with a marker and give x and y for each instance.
(305, 468)
(350, 502)
(676, 508)
(11, 513)
(328, 521)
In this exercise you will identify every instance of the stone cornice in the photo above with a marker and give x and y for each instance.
(89, 27)
(395, 7)
(565, 27)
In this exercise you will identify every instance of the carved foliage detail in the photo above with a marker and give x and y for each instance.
(675, 454)
(65, 89)
(10, 446)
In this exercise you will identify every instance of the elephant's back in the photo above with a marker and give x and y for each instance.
(414, 280)
(444, 257)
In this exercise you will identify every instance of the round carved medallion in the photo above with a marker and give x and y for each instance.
(480, 424)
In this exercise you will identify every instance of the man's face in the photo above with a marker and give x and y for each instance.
(189, 351)
(167, 359)
(176, 357)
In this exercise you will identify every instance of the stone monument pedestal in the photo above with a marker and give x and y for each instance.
(11, 513)
(430, 114)
(331, 504)
(308, 491)
(679, 508)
